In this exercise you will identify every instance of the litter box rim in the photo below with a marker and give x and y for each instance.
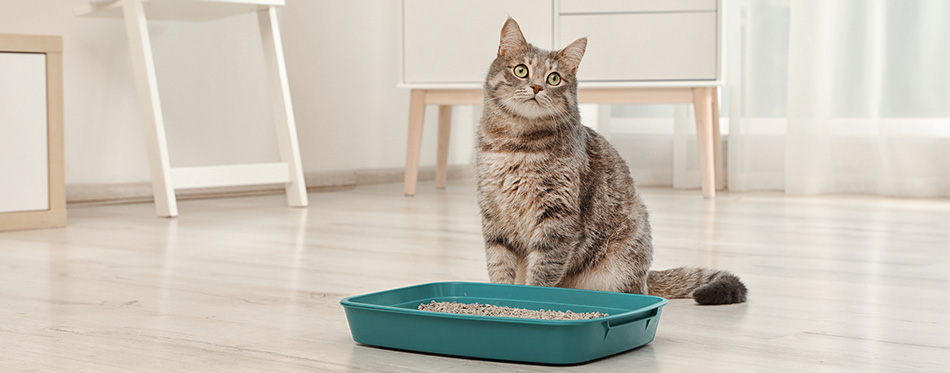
(350, 302)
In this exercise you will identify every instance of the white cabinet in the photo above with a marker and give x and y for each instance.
(32, 194)
(631, 43)
(632, 47)
(622, 6)
(455, 41)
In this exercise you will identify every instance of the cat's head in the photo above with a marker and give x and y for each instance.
(532, 82)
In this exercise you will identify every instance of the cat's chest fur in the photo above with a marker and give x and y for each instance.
(518, 188)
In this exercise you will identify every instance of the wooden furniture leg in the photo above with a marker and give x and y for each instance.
(702, 102)
(150, 106)
(296, 187)
(417, 112)
(442, 157)
(717, 141)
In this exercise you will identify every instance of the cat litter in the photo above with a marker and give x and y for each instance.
(503, 311)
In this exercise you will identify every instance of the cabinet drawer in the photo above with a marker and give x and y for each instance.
(644, 46)
(630, 6)
(455, 42)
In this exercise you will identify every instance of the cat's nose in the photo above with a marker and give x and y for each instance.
(536, 88)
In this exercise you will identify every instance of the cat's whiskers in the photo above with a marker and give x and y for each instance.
(504, 106)
(559, 116)
(499, 105)
(566, 117)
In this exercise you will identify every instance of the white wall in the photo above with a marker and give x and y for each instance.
(341, 60)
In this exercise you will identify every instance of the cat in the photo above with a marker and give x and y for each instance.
(558, 204)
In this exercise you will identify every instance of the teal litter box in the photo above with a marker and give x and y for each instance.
(390, 319)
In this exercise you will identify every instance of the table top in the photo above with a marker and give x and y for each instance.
(181, 10)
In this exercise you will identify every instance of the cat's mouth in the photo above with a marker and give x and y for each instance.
(529, 107)
(534, 99)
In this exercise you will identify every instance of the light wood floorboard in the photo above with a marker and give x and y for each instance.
(247, 284)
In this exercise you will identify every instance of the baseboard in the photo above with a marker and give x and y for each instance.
(95, 194)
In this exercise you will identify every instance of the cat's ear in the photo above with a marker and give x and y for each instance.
(512, 40)
(571, 55)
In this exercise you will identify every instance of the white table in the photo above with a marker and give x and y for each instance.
(165, 179)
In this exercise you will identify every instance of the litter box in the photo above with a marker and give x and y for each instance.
(390, 319)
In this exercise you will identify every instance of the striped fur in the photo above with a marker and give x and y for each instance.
(558, 205)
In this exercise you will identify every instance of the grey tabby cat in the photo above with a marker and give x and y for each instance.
(558, 205)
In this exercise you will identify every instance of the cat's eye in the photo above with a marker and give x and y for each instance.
(521, 71)
(554, 79)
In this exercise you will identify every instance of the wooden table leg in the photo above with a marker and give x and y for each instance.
(417, 112)
(296, 188)
(717, 141)
(149, 104)
(442, 158)
(702, 102)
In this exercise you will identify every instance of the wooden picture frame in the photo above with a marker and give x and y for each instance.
(55, 215)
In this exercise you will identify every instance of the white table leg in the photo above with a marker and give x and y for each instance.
(283, 109)
(143, 66)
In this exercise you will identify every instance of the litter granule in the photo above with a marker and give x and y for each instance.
(503, 311)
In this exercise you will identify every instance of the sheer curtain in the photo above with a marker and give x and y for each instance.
(838, 96)
(820, 97)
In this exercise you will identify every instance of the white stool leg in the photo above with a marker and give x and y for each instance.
(283, 109)
(140, 47)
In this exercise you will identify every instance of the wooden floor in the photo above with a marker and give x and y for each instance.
(247, 284)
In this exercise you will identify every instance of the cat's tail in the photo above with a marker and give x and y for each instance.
(705, 285)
